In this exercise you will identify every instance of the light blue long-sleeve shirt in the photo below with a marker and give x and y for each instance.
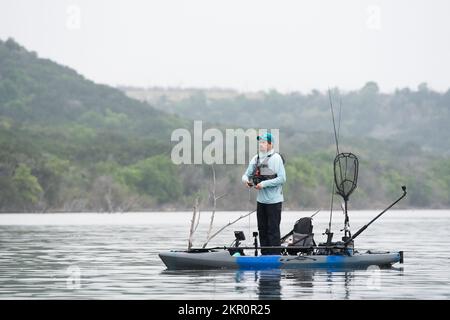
(272, 191)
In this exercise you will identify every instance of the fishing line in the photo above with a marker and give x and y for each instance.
(248, 209)
(336, 137)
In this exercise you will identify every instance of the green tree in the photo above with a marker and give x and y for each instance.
(156, 176)
(26, 185)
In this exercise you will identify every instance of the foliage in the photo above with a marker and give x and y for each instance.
(68, 144)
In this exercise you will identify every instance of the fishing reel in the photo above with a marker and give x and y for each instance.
(255, 180)
(261, 173)
(257, 177)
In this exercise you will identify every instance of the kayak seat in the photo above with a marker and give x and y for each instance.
(300, 236)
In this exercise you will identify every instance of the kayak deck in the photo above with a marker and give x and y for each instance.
(222, 259)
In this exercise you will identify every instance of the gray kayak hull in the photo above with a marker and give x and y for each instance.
(221, 259)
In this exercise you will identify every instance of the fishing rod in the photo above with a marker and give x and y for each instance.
(336, 137)
(315, 213)
(334, 124)
(334, 246)
(373, 220)
(255, 166)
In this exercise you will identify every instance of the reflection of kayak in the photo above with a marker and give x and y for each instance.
(222, 259)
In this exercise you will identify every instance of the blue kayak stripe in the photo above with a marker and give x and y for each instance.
(276, 261)
(260, 262)
(335, 260)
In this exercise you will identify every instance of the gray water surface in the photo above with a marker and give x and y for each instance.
(115, 256)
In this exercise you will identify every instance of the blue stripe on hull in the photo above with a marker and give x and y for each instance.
(260, 262)
(275, 262)
(335, 261)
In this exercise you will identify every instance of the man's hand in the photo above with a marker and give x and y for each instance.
(248, 184)
(259, 186)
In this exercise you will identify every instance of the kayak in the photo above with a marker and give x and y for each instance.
(298, 248)
(223, 259)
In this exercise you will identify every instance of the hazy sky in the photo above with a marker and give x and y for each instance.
(247, 45)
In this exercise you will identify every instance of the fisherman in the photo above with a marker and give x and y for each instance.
(266, 173)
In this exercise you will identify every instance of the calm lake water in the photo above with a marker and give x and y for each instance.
(114, 256)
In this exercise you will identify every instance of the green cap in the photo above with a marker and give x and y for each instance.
(266, 137)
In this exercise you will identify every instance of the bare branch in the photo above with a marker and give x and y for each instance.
(214, 202)
(221, 196)
(191, 232)
(198, 219)
(226, 226)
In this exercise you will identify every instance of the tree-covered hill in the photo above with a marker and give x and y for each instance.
(56, 128)
(69, 144)
(401, 137)
(420, 117)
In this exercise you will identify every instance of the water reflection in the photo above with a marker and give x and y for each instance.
(269, 286)
(269, 282)
(120, 260)
(276, 284)
(301, 278)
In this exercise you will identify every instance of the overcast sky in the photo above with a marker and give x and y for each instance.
(246, 45)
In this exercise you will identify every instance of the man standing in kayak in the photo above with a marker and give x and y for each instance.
(266, 169)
